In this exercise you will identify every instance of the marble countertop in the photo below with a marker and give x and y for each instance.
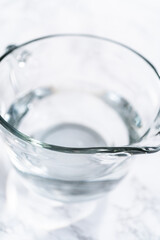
(132, 210)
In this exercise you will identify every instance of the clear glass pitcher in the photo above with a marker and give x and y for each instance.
(74, 110)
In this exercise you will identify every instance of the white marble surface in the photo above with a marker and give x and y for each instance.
(132, 211)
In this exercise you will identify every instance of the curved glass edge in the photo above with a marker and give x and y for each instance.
(129, 148)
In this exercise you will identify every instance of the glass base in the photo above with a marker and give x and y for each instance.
(72, 135)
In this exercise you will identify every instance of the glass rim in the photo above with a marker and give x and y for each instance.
(88, 150)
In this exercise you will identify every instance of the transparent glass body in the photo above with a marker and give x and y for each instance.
(74, 110)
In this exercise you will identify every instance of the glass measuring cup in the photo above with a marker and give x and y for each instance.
(74, 110)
